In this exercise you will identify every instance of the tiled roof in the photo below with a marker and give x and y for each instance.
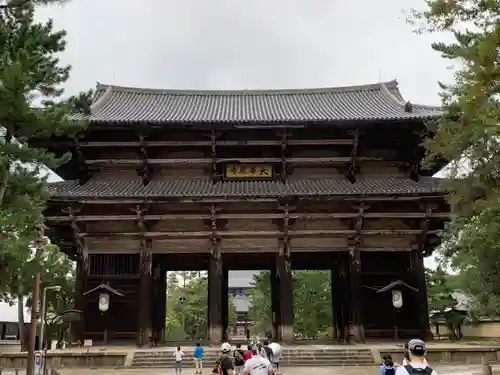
(382, 101)
(256, 189)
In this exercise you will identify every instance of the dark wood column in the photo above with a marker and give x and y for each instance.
(79, 298)
(225, 303)
(145, 294)
(356, 327)
(335, 296)
(275, 305)
(284, 273)
(215, 283)
(159, 303)
(344, 295)
(418, 277)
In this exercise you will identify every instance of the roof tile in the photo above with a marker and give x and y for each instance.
(272, 189)
(383, 101)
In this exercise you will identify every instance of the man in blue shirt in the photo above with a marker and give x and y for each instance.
(416, 364)
(198, 358)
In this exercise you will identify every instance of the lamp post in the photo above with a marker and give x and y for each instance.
(40, 241)
(44, 305)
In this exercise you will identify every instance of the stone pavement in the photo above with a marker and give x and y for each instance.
(370, 370)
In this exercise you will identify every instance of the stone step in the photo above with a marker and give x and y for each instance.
(290, 358)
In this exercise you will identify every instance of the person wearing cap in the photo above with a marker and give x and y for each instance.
(258, 365)
(416, 363)
(224, 364)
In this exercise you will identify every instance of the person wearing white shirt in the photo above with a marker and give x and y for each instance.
(258, 365)
(179, 355)
(417, 363)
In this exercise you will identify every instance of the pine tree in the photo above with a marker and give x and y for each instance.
(468, 136)
(31, 108)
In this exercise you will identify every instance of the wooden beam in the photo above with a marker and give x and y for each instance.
(291, 142)
(351, 166)
(205, 162)
(256, 216)
(268, 234)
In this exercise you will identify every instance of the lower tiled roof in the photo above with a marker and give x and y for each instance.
(101, 189)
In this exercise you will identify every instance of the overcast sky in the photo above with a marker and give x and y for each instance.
(231, 44)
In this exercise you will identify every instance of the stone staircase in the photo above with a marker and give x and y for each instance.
(293, 357)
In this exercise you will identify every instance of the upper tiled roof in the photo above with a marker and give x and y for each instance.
(382, 101)
(101, 189)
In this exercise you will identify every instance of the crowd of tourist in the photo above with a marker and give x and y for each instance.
(264, 359)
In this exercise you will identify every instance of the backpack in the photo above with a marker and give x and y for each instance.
(238, 358)
(389, 370)
(421, 371)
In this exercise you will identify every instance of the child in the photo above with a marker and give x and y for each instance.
(179, 355)
(198, 358)
(387, 367)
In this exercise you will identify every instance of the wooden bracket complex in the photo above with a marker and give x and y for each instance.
(213, 143)
(84, 173)
(284, 150)
(355, 241)
(144, 170)
(352, 167)
(423, 238)
(77, 237)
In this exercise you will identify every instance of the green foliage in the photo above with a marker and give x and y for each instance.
(312, 303)
(439, 290)
(469, 132)
(187, 302)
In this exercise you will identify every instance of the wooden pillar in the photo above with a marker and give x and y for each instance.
(79, 298)
(225, 303)
(145, 294)
(275, 305)
(356, 328)
(163, 304)
(335, 296)
(418, 277)
(344, 296)
(215, 277)
(284, 273)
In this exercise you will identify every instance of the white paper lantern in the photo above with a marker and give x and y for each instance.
(103, 302)
(397, 299)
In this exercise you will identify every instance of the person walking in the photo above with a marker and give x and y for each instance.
(224, 365)
(239, 360)
(179, 355)
(198, 358)
(416, 363)
(258, 365)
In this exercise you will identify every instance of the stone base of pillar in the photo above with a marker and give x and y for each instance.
(356, 333)
(286, 334)
(216, 335)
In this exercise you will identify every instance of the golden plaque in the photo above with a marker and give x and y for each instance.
(249, 171)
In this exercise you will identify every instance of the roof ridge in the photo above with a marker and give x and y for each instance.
(142, 90)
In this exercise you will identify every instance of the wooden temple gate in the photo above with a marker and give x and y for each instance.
(147, 195)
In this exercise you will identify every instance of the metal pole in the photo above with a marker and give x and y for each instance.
(42, 319)
(30, 363)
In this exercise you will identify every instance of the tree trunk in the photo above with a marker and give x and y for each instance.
(3, 183)
(20, 317)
